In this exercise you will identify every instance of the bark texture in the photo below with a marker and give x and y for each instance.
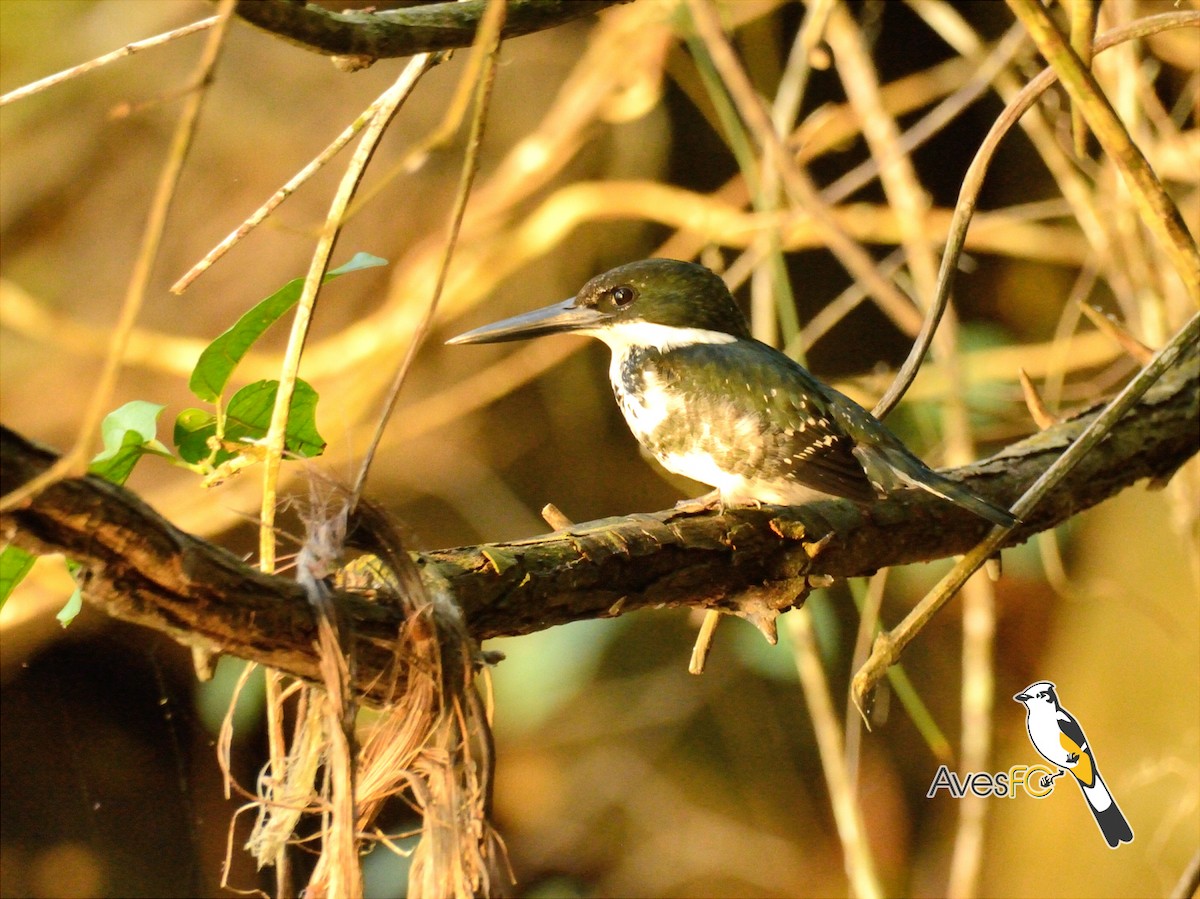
(140, 568)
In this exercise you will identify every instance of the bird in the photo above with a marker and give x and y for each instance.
(1059, 739)
(712, 403)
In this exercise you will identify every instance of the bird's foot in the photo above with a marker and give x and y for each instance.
(706, 503)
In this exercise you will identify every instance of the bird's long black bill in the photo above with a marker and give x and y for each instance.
(556, 319)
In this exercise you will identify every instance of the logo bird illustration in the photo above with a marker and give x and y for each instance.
(1059, 739)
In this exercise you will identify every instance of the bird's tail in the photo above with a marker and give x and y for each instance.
(961, 496)
(1109, 819)
(887, 465)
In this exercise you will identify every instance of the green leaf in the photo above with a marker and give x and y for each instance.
(193, 427)
(358, 262)
(14, 565)
(501, 559)
(249, 416)
(73, 607)
(217, 362)
(302, 437)
(128, 433)
(74, 604)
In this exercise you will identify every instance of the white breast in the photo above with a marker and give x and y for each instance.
(645, 412)
(655, 405)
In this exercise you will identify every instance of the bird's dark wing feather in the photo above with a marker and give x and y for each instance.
(750, 381)
(1069, 726)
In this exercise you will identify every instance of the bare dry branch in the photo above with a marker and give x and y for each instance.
(142, 569)
(403, 32)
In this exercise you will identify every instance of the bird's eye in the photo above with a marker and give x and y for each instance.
(622, 296)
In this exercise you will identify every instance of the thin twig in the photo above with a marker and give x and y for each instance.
(868, 626)
(915, 136)
(445, 130)
(947, 22)
(977, 692)
(973, 182)
(704, 640)
(1157, 210)
(385, 108)
(1189, 879)
(905, 194)
(74, 461)
(1042, 417)
(860, 866)
(256, 218)
(83, 68)
(1061, 357)
(897, 175)
(1083, 29)
(378, 34)
(841, 306)
(488, 44)
(926, 127)
(1119, 333)
(889, 646)
(795, 181)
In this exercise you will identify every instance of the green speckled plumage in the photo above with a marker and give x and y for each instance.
(712, 403)
(742, 407)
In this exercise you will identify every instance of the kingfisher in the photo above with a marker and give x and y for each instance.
(712, 403)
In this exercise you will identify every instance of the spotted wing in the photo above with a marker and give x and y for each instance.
(764, 413)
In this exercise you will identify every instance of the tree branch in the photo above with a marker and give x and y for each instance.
(404, 32)
(142, 569)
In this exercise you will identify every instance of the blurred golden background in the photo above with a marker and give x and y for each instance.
(619, 774)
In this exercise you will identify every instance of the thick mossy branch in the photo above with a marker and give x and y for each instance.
(140, 568)
(404, 32)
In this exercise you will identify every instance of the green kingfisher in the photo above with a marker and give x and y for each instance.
(715, 405)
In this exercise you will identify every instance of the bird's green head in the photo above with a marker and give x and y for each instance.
(655, 301)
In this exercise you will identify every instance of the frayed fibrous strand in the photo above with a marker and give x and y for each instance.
(432, 745)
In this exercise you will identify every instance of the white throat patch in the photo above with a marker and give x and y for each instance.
(620, 336)
(645, 412)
